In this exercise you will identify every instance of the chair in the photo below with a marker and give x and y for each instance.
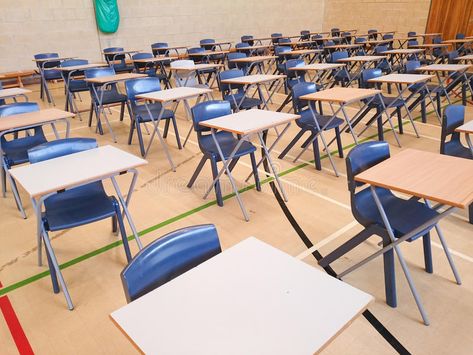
(247, 39)
(233, 65)
(341, 76)
(184, 77)
(361, 50)
(307, 124)
(404, 215)
(234, 98)
(202, 60)
(460, 36)
(168, 257)
(160, 48)
(213, 109)
(209, 45)
(347, 37)
(335, 32)
(384, 64)
(74, 85)
(76, 206)
(111, 58)
(293, 77)
(151, 69)
(48, 73)
(373, 34)
(284, 42)
(305, 35)
(139, 113)
(110, 95)
(275, 37)
(411, 34)
(454, 117)
(278, 50)
(439, 53)
(14, 151)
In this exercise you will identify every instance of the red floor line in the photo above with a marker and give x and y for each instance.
(16, 330)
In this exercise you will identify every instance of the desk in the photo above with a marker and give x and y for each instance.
(467, 129)
(403, 40)
(49, 177)
(466, 58)
(364, 61)
(398, 55)
(322, 71)
(342, 97)
(165, 50)
(198, 69)
(14, 93)
(251, 50)
(257, 80)
(256, 61)
(252, 299)
(165, 97)
(19, 122)
(17, 76)
(104, 81)
(301, 53)
(247, 124)
(443, 179)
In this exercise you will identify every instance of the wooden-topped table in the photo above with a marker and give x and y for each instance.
(442, 179)
(251, 50)
(14, 93)
(322, 71)
(164, 97)
(308, 309)
(466, 58)
(17, 76)
(198, 69)
(398, 55)
(363, 61)
(49, 177)
(467, 129)
(256, 61)
(247, 124)
(157, 59)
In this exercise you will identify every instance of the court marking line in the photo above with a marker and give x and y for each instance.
(107, 247)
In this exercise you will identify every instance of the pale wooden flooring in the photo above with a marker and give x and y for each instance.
(318, 200)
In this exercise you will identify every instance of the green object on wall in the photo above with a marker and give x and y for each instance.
(107, 15)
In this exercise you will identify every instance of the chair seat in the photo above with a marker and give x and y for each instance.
(78, 86)
(227, 143)
(143, 116)
(111, 97)
(307, 121)
(456, 149)
(16, 151)
(247, 103)
(78, 206)
(121, 68)
(52, 74)
(403, 215)
(388, 101)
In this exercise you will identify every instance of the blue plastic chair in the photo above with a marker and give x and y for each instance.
(169, 257)
(305, 35)
(293, 77)
(281, 59)
(342, 76)
(110, 95)
(404, 215)
(111, 58)
(151, 69)
(373, 34)
(384, 64)
(233, 65)
(49, 74)
(140, 114)
(229, 94)
(335, 32)
(275, 37)
(206, 111)
(284, 42)
(306, 122)
(14, 150)
(411, 34)
(76, 206)
(74, 85)
(209, 45)
(247, 39)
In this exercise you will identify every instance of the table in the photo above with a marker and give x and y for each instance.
(252, 298)
(257, 80)
(49, 177)
(104, 81)
(208, 55)
(255, 61)
(247, 124)
(19, 122)
(449, 185)
(408, 80)
(115, 54)
(17, 76)
(467, 129)
(398, 55)
(364, 62)
(254, 49)
(466, 58)
(452, 69)
(14, 93)
(301, 53)
(322, 71)
(198, 69)
(164, 97)
(165, 50)
(403, 40)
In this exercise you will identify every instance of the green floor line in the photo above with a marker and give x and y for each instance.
(36, 277)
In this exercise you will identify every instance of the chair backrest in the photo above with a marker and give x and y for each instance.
(59, 148)
(236, 55)
(142, 55)
(451, 57)
(453, 117)
(74, 62)
(109, 56)
(141, 86)
(2, 101)
(335, 56)
(305, 35)
(362, 157)
(411, 34)
(47, 56)
(411, 66)
(368, 74)
(460, 36)
(207, 110)
(242, 45)
(98, 72)
(412, 42)
(281, 49)
(292, 74)
(335, 32)
(196, 50)
(229, 74)
(247, 39)
(380, 49)
(17, 108)
(207, 43)
(299, 90)
(284, 41)
(388, 36)
(360, 40)
(183, 63)
(275, 37)
(155, 48)
(168, 257)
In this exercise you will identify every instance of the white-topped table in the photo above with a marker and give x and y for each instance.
(251, 299)
(247, 124)
(198, 69)
(47, 178)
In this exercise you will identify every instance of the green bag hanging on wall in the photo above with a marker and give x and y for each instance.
(107, 15)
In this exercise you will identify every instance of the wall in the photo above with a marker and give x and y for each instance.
(388, 15)
(68, 26)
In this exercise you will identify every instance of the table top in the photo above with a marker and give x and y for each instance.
(74, 169)
(82, 67)
(463, 40)
(255, 47)
(4, 93)
(205, 53)
(362, 58)
(405, 38)
(253, 59)
(155, 59)
(114, 78)
(379, 41)
(29, 119)
(250, 299)
(430, 45)
(466, 128)
(465, 57)
(301, 52)
(318, 66)
(404, 51)
(196, 67)
(345, 46)
(253, 79)
(401, 78)
(122, 52)
(53, 59)
(172, 94)
(433, 176)
(341, 95)
(445, 67)
(170, 48)
(428, 34)
(249, 121)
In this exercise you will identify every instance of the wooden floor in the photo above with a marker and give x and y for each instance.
(161, 203)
